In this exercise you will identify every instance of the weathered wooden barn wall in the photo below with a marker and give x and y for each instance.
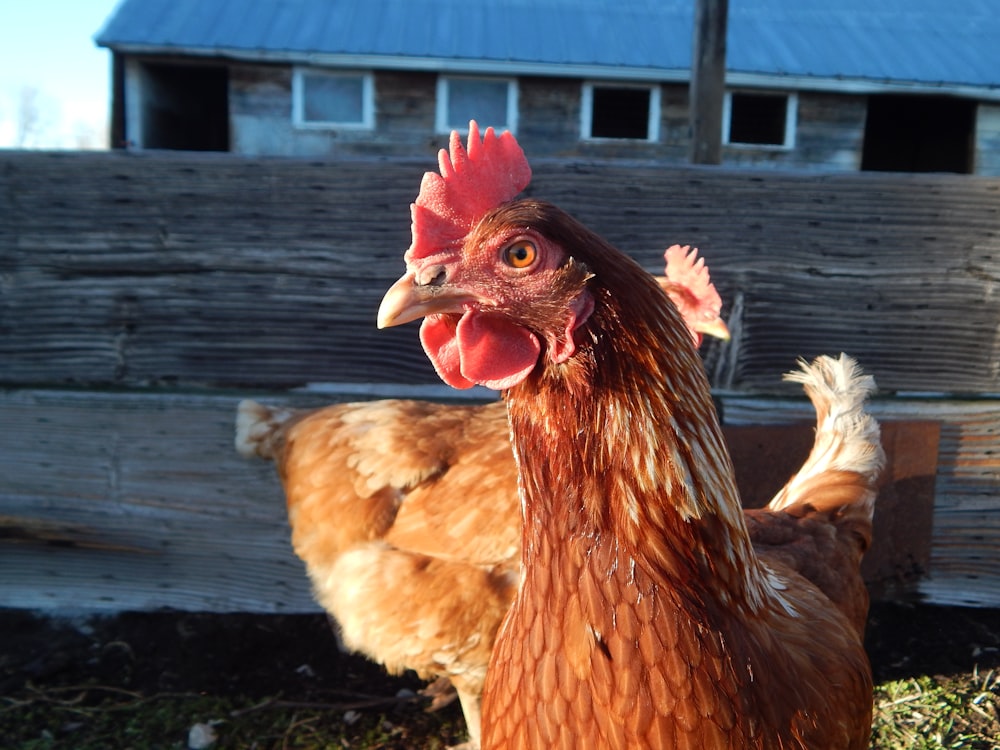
(829, 130)
(136, 270)
(141, 296)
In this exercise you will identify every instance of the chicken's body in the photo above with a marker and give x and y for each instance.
(646, 618)
(820, 523)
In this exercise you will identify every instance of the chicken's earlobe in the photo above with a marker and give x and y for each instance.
(581, 309)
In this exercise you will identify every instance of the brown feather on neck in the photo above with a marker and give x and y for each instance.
(623, 437)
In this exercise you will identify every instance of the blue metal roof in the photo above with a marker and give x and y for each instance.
(930, 43)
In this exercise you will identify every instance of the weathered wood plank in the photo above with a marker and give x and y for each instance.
(140, 501)
(158, 284)
(196, 269)
(708, 79)
(152, 507)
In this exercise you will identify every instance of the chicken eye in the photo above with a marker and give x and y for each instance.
(520, 254)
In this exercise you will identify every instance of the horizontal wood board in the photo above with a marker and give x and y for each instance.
(115, 501)
(213, 270)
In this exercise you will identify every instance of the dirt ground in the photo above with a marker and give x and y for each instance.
(257, 655)
(296, 657)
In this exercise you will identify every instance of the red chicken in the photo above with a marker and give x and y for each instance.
(646, 617)
(406, 512)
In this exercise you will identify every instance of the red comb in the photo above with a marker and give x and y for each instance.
(473, 180)
(689, 271)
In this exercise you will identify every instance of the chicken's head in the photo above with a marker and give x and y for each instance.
(495, 287)
(689, 286)
(492, 307)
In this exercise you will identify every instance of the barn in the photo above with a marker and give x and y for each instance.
(911, 86)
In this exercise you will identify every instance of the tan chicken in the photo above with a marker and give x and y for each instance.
(406, 512)
(405, 515)
(648, 614)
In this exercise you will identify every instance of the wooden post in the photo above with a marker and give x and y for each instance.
(708, 80)
(116, 129)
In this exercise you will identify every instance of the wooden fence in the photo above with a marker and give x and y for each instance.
(141, 295)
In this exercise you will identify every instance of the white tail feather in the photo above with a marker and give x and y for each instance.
(847, 437)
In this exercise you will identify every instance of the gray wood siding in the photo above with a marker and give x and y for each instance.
(141, 295)
(145, 269)
(829, 133)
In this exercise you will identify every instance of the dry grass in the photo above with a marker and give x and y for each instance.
(99, 718)
(142, 681)
(928, 713)
(921, 713)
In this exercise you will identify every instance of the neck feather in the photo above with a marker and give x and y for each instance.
(623, 441)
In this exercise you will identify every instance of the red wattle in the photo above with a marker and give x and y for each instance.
(437, 335)
(495, 352)
(477, 348)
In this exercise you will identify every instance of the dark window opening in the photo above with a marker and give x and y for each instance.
(919, 134)
(185, 107)
(620, 113)
(758, 119)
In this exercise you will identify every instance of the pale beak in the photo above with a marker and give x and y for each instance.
(407, 300)
(716, 327)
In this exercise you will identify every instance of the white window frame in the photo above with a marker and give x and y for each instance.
(441, 124)
(367, 99)
(791, 120)
(587, 110)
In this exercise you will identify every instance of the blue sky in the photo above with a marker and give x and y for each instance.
(48, 46)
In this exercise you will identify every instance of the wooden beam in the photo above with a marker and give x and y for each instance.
(197, 270)
(136, 501)
(116, 132)
(708, 80)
